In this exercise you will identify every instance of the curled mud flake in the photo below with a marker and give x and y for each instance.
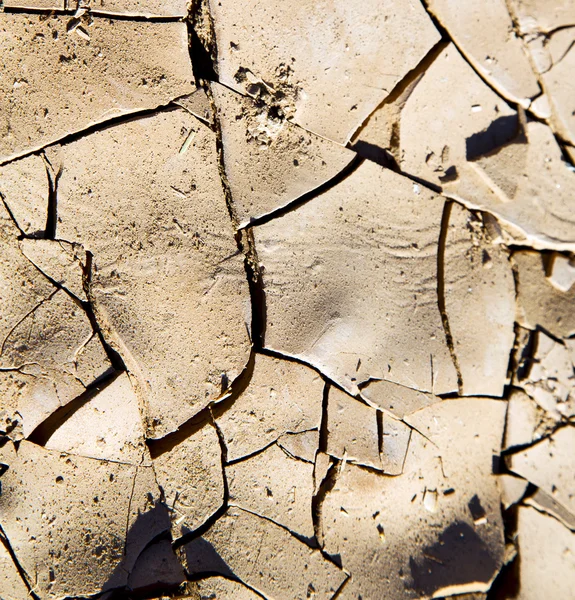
(539, 302)
(424, 512)
(512, 489)
(281, 396)
(546, 555)
(550, 380)
(273, 485)
(270, 162)
(526, 420)
(561, 271)
(484, 34)
(478, 280)
(25, 189)
(545, 503)
(264, 556)
(548, 465)
(198, 104)
(220, 587)
(330, 82)
(106, 426)
(165, 261)
(188, 467)
(350, 279)
(96, 79)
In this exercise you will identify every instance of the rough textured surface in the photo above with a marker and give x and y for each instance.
(327, 83)
(121, 67)
(350, 281)
(287, 298)
(160, 273)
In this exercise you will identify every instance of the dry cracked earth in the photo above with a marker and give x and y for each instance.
(287, 299)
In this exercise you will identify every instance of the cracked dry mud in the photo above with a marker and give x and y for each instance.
(287, 299)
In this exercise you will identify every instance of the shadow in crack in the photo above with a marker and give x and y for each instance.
(203, 559)
(150, 566)
(458, 557)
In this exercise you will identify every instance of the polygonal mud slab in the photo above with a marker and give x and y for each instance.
(188, 468)
(25, 190)
(270, 162)
(539, 302)
(546, 556)
(53, 508)
(478, 281)
(434, 530)
(276, 486)
(167, 279)
(121, 67)
(484, 33)
(326, 65)
(279, 396)
(264, 556)
(350, 283)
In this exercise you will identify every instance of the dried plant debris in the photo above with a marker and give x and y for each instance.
(189, 472)
(326, 83)
(101, 69)
(270, 162)
(484, 33)
(167, 279)
(287, 300)
(422, 528)
(351, 283)
(265, 557)
(275, 486)
(280, 397)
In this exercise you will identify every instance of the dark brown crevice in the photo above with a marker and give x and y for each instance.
(113, 355)
(43, 432)
(323, 427)
(52, 208)
(23, 575)
(346, 172)
(409, 80)
(70, 12)
(201, 43)
(317, 501)
(441, 246)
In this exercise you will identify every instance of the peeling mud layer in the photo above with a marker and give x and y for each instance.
(287, 300)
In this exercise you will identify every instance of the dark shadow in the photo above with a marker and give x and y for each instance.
(500, 132)
(150, 566)
(459, 556)
(375, 153)
(203, 559)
